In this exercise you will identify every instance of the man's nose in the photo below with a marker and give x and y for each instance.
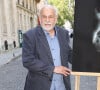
(47, 19)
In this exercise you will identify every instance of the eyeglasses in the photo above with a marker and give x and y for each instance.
(48, 17)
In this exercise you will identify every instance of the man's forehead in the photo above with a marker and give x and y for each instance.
(48, 12)
(47, 9)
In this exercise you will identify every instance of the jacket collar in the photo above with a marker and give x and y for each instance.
(45, 42)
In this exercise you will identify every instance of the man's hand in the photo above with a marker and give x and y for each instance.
(62, 70)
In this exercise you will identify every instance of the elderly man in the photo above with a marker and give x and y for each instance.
(46, 54)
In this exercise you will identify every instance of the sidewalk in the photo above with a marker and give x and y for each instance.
(10, 55)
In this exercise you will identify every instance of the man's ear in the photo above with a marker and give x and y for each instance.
(56, 19)
(38, 20)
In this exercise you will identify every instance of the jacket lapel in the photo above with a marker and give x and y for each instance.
(60, 39)
(44, 42)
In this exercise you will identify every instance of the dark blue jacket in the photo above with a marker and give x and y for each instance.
(37, 58)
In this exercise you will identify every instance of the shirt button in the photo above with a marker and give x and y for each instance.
(54, 59)
(54, 80)
(53, 49)
(51, 38)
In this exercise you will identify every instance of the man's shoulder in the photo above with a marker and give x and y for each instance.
(32, 31)
(61, 29)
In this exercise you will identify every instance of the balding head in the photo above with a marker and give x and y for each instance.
(49, 7)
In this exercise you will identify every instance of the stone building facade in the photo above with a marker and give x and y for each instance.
(16, 17)
(26, 14)
(8, 32)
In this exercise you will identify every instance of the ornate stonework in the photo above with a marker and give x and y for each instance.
(16, 17)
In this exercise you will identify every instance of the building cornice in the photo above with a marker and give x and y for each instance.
(37, 1)
(25, 9)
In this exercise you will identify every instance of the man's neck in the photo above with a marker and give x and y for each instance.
(52, 33)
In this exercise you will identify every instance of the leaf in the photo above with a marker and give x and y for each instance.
(66, 10)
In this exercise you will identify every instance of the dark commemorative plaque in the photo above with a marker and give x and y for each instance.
(86, 43)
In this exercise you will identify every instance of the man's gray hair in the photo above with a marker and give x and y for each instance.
(48, 6)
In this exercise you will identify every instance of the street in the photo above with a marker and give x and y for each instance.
(12, 77)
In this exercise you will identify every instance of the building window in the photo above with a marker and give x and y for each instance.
(18, 1)
(26, 3)
(6, 44)
(20, 19)
(14, 43)
(31, 22)
(23, 3)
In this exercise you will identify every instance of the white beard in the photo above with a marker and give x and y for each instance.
(47, 28)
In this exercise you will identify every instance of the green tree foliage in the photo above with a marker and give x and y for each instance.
(66, 10)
